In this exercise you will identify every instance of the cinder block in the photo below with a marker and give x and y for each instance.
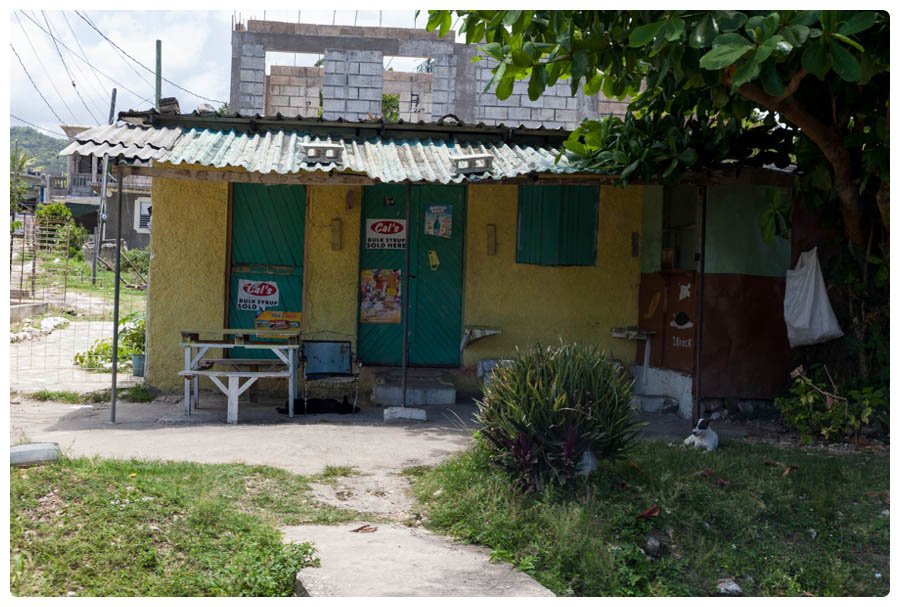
(370, 94)
(333, 105)
(556, 103)
(358, 105)
(253, 50)
(251, 88)
(565, 116)
(364, 81)
(352, 92)
(336, 79)
(252, 75)
(253, 63)
(353, 68)
(371, 69)
(280, 100)
(519, 113)
(496, 113)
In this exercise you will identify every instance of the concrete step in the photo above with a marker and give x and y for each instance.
(395, 560)
(423, 387)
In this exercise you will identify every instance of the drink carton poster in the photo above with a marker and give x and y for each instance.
(439, 220)
(380, 296)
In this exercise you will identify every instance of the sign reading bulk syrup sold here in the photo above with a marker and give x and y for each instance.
(385, 233)
(257, 294)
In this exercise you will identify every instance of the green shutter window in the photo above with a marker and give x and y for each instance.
(557, 225)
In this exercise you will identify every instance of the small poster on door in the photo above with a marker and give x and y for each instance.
(256, 295)
(380, 297)
(385, 233)
(439, 220)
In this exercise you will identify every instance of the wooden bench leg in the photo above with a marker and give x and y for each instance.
(292, 382)
(187, 395)
(196, 392)
(233, 387)
(253, 388)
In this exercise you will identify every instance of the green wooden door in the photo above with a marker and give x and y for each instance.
(436, 274)
(435, 233)
(267, 236)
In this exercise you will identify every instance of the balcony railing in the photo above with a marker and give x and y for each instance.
(85, 185)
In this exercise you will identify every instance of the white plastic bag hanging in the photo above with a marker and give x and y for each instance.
(807, 311)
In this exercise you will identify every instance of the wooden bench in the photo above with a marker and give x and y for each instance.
(283, 344)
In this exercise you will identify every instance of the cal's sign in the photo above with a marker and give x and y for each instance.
(257, 294)
(385, 233)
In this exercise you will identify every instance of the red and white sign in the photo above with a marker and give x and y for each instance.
(385, 233)
(257, 294)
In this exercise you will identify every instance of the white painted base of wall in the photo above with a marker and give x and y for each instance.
(405, 413)
(652, 387)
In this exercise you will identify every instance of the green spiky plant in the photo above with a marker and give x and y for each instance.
(544, 411)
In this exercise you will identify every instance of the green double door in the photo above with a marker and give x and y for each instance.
(436, 244)
(267, 236)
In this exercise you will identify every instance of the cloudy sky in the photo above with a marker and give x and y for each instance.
(196, 56)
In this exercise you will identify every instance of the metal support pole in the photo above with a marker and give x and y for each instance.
(115, 353)
(158, 72)
(101, 211)
(405, 283)
(695, 410)
(16, 182)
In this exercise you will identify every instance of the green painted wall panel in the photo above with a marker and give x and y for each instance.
(268, 229)
(651, 229)
(734, 243)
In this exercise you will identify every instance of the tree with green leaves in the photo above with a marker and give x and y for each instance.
(18, 164)
(709, 89)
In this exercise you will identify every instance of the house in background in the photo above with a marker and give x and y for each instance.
(80, 189)
(521, 250)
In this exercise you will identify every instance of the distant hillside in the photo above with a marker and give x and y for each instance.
(43, 147)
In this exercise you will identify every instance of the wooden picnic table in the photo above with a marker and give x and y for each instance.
(284, 343)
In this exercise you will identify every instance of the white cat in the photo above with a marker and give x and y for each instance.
(702, 437)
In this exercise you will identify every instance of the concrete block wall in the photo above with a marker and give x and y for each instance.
(293, 91)
(414, 91)
(352, 84)
(354, 80)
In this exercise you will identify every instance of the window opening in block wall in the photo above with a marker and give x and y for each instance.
(293, 84)
(406, 88)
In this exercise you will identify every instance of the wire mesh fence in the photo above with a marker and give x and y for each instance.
(61, 317)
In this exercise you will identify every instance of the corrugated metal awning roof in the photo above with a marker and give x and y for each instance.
(127, 140)
(390, 160)
(280, 151)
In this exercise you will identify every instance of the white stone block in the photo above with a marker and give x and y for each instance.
(405, 414)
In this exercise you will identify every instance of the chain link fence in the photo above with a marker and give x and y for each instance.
(61, 318)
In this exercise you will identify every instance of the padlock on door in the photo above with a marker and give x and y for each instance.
(433, 260)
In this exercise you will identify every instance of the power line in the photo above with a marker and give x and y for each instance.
(31, 124)
(91, 92)
(66, 67)
(89, 22)
(119, 51)
(62, 44)
(83, 54)
(34, 85)
(95, 95)
(43, 67)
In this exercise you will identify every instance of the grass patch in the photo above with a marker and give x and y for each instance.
(334, 472)
(136, 528)
(724, 514)
(61, 396)
(141, 393)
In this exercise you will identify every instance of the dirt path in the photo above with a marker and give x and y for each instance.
(47, 363)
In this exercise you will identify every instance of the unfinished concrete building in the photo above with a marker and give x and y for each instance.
(351, 80)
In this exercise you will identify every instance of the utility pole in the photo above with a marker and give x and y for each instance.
(15, 200)
(101, 212)
(158, 72)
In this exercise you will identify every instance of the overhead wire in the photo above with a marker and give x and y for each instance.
(93, 94)
(118, 51)
(35, 85)
(43, 67)
(83, 54)
(66, 67)
(179, 87)
(31, 124)
(62, 44)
